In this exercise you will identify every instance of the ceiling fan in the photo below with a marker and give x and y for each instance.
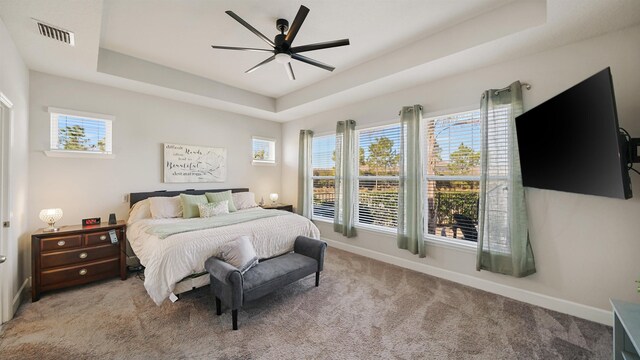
(282, 50)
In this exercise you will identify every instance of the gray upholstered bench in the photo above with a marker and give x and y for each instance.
(228, 285)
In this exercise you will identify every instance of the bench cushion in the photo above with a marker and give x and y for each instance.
(276, 273)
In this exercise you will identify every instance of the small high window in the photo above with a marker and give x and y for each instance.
(80, 133)
(264, 150)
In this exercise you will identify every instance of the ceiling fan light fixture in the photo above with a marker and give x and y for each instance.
(283, 58)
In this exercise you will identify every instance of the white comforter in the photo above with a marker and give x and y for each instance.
(169, 260)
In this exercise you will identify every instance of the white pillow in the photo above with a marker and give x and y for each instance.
(213, 209)
(240, 253)
(163, 207)
(244, 200)
(140, 210)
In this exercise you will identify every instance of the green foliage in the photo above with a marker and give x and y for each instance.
(102, 145)
(382, 159)
(463, 160)
(73, 138)
(259, 155)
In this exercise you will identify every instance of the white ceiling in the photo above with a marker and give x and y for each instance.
(162, 47)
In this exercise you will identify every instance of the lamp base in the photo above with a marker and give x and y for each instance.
(51, 229)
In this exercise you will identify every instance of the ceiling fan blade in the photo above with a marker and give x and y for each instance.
(318, 46)
(290, 71)
(241, 48)
(251, 28)
(270, 59)
(309, 61)
(297, 23)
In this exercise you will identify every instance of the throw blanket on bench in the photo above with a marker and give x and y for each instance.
(165, 230)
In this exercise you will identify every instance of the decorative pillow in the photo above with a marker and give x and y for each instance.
(240, 253)
(244, 200)
(140, 210)
(221, 196)
(213, 209)
(190, 205)
(165, 207)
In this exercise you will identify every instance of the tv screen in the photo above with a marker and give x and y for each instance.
(572, 142)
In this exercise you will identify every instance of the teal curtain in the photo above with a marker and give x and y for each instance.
(346, 172)
(503, 240)
(410, 193)
(304, 173)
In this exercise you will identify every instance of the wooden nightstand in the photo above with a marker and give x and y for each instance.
(284, 207)
(76, 255)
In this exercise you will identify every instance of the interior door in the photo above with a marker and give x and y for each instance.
(5, 299)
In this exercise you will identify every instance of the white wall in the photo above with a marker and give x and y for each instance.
(95, 187)
(14, 84)
(587, 248)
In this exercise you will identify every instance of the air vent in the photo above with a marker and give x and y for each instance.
(55, 33)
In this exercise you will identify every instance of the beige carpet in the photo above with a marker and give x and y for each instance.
(363, 309)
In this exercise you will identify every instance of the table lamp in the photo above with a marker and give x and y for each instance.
(273, 197)
(50, 216)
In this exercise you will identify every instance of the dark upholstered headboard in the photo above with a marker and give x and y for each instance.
(135, 197)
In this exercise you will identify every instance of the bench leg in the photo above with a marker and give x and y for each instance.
(218, 306)
(234, 317)
(317, 278)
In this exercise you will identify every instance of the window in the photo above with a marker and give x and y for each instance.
(378, 176)
(323, 163)
(80, 133)
(263, 150)
(453, 175)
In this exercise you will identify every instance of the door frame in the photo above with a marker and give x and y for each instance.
(6, 302)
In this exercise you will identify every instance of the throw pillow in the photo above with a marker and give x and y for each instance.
(190, 205)
(221, 196)
(213, 209)
(244, 200)
(165, 207)
(141, 210)
(240, 253)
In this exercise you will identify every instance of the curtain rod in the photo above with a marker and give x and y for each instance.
(508, 88)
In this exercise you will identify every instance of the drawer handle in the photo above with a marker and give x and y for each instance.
(83, 255)
(83, 272)
(103, 237)
(61, 243)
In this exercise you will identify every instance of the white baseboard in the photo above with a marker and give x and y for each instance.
(548, 302)
(17, 299)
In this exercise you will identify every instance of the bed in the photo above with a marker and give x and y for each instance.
(174, 262)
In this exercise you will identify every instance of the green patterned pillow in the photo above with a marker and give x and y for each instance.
(190, 205)
(213, 209)
(221, 196)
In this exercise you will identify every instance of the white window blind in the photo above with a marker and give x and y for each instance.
(76, 132)
(324, 169)
(453, 175)
(378, 181)
(263, 150)
(498, 173)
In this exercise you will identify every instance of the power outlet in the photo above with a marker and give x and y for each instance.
(125, 198)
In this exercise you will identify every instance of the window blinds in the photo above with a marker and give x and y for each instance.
(75, 133)
(324, 168)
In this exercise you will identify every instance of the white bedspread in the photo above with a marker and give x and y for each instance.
(169, 260)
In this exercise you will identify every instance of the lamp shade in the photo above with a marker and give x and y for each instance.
(50, 216)
(273, 197)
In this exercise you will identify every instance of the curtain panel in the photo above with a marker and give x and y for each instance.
(304, 173)
(410, 192)
(503, 240)
(345, 183)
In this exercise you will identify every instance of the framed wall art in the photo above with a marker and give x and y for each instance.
(194, 164)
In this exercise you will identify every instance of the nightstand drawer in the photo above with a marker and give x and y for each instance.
(61, 242)
(78, 256)
(79, 273)
(99, 238)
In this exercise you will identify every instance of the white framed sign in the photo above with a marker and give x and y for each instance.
(194, 164)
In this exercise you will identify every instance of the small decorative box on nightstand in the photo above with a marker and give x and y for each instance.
(77, 255)
(284, 207)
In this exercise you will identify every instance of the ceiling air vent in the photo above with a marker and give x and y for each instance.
(55, 33)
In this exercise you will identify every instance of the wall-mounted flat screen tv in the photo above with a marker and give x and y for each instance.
(572, 142)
